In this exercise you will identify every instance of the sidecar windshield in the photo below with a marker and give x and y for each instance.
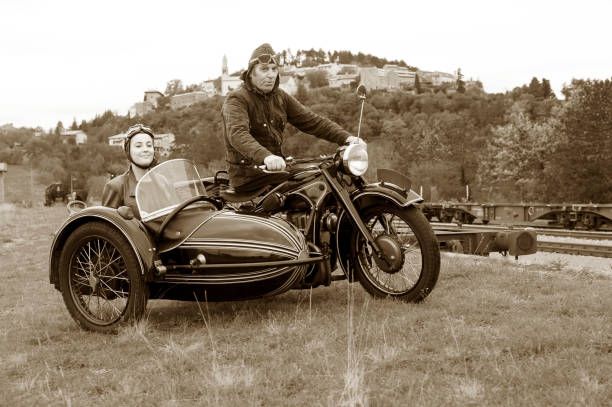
(165, 186)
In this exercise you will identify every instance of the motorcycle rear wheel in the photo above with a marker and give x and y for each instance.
(418, 273)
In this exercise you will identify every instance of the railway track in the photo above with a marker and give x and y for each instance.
(575, 248)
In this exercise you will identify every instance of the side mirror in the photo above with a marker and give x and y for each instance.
(75, 206)
(362, 91)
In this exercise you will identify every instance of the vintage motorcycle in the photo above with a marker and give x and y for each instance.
(321, 222)
(370, 231)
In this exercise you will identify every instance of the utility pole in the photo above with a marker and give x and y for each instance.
(3, 169)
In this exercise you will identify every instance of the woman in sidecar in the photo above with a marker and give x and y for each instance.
(107, 263)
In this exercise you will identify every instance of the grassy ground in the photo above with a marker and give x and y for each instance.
(493, 332)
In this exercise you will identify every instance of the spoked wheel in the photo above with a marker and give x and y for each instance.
(100, 278)
(413, 255)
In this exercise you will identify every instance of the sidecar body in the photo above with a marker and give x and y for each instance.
(107, 262)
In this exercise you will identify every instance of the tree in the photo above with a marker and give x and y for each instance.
(517, 154)
(417, 84)
(163, 103)
(460, 82)
(50, 169)
(193, 88)
(535, 88)
(301, 94)
(317, 79)
(581, 155)
(217, 84)
(174, 87)
(59, 128)
(74, 125)
(546, 89)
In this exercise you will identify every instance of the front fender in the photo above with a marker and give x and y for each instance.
(371, 194)
(378, 193)
(132, 229)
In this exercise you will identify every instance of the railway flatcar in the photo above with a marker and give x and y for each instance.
(570, 216)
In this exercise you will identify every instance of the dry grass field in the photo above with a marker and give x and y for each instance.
(493, 332)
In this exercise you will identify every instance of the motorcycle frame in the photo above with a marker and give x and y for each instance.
(386, 189)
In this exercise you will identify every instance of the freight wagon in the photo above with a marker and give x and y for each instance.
(589, 216)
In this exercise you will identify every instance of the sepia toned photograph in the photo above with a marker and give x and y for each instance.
(279, 203)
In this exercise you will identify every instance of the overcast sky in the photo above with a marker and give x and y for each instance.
(73, 59)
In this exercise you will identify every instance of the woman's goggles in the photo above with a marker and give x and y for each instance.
(139, 128)
(265, 59)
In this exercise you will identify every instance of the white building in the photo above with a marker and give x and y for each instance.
(77, 136)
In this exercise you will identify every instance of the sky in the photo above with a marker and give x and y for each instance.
(66, 60)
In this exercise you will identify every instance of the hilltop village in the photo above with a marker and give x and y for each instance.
(335, 75)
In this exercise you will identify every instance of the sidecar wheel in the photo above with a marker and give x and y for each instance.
(409, 238)
(100, 278)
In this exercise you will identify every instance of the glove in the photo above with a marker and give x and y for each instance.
(274, 163)
(354, 140)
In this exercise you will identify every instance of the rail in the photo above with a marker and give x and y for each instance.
(575, 248)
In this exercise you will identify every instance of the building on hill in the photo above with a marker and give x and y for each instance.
(388, 77)
(209, 87)
(404, 75)
(73, 136)
(436, 78)
(334, 68)
(163, 142)
(439, 78)
(228, 82)
(187, 99)
(148, 104)
(376, 78)
(339, 81)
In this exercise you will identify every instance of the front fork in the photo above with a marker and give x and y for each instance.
(343, 196)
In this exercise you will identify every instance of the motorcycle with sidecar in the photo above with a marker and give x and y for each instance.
(319, 222)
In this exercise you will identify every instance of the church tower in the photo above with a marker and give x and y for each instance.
(224, 66)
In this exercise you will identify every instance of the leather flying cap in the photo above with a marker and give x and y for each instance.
(265, 52)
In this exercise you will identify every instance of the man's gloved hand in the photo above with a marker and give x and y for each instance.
(274, 163)
(354, 140)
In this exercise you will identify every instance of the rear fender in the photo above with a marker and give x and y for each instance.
(132, 229)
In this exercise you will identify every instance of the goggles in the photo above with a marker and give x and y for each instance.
(139, 128)
(265, 59)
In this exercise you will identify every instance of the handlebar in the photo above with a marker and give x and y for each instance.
(290, 162)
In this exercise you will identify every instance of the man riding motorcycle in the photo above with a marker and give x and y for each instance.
(254, 118)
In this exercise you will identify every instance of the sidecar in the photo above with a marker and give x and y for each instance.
(179, 244)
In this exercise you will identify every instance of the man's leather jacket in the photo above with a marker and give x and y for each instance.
(254, 123)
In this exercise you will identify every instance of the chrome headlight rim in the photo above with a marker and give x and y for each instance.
(355, 159)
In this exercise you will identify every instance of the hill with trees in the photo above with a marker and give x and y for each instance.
(524, 145)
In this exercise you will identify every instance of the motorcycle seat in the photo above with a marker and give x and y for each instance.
(231, 195)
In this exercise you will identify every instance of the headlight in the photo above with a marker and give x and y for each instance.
(355, 159)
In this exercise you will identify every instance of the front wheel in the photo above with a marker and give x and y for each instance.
(100, 278)
(413, 255)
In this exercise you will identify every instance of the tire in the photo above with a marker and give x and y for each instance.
(100, 278)
(419, 266)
